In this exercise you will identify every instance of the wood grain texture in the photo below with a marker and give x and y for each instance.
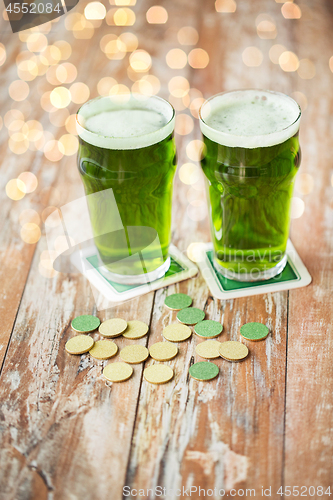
(66, 433)
(309, 415)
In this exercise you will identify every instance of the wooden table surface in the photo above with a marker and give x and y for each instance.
(266, 422)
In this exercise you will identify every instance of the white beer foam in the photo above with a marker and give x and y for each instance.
(250, 118)
(132, 123)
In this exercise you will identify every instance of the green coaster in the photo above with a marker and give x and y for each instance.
(208, 328)
(203, 370)
(85, 323)
(190, 316)
(254, 331)
(178, 301)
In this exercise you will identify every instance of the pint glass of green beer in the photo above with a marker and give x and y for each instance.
(250, 158)
(127, 155)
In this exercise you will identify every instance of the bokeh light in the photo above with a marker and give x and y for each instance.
(157, 15)
(47, 259)
(252, 56)
(178, 86)
(18, 90)
(266, 28)
(288, 61)
(225, 6)
(306, 69)
(176, 59)
(11, 115)
(129, 41)
(195, 149)
(187, 35)
(304, 183)
(70, 124)
(18, 143)
(197, 210)
(29, 180)
(60, 244)
(297, 207)
(36, 42)
(184, 124)
(189, 173)
(68, 144)
(27, 69)
(177, 102)
(147, 85)
(122, 91)
(29, 215)
(140, 61)
(66, 72)
(301, 99)
(52, 151)
(330, 63)
(275, 51)
(196, 105)
(64, 48)
(79, 92)
(290, 10)
(120, 17)
(105, 84)
(198, 58)
(15, 189)
(30, 233)
(60, 97)
(51, 54)
(195, 251)
(95, 11)
(2, 54)
(51, 216)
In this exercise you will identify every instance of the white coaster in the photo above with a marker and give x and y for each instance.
(294, 275)
(87, 262)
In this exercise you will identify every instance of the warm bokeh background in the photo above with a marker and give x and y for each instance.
(101, 48)
(66, 433)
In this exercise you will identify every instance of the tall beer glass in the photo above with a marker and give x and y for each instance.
(127, 154)
(250, 158)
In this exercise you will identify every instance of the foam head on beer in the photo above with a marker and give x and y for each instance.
(250, 119)
(109, 122)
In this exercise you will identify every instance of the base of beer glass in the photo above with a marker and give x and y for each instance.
(252, 276)
(137, 279)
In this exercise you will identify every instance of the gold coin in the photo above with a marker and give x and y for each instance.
(158, 374)
(103, 349)
(135, 330)
(79, 344)
(112, 327)
(117, 372)
(233, 350)
(208, 349)
(177, 332)
(163, 351)
(134, 353)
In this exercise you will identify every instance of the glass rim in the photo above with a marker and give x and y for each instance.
(269, 134)
(142, 98)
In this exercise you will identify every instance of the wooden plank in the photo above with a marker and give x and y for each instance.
(66, 432)
(61, 421)
(309, 420)
(227, 433)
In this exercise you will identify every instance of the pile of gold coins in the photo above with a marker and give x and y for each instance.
(161, 351)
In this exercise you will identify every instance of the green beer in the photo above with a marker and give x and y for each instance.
(250, 158)
(127, 154)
